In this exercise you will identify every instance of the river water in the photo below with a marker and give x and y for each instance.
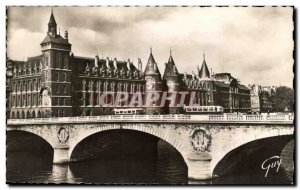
(168, 168)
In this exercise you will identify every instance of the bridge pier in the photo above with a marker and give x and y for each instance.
(61, 155)
(199, 166)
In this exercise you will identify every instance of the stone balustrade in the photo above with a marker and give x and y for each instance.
(161, 118)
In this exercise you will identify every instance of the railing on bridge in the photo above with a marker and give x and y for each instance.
(180, 117)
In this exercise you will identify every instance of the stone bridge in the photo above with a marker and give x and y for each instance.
(202, 140)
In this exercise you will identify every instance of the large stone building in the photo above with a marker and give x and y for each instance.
(58, 83)
(262, 98)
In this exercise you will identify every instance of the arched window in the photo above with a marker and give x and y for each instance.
(18, 115)
(57, 76)
(13, 115)
(65, 77)
(28, 115)
(33, 114)
(65, 89)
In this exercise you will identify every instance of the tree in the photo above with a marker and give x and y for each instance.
(283, 98)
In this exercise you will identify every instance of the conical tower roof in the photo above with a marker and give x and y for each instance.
(204, 72)
(52, 21)
(151, 67)
(171, 69)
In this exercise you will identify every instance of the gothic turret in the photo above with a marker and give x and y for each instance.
(153, 85)
(171, 69)
(56, 72)
(172, 79)
(204, 72)
(151, 67)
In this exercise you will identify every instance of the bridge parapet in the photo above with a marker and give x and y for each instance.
(202, 140)
(225, 118)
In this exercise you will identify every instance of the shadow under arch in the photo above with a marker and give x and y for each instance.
(28, 156)
(141, 164)
(19, 140)
(172, 141)
(242, 165)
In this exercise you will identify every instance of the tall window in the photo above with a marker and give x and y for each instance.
(14, 101)
(46, 61)
(65, 89)
(29, 100)
(62, 61)
(65, 77)
(57, 60)
(33, 100)
(57, 76)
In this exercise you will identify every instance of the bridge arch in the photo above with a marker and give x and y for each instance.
(179, 146)
(46, 138)
(241, 140)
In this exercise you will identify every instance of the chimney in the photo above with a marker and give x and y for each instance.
(115, 63)
(107, 62)
(66, 35)
(96, 60)
(140, 65)
(128, 64)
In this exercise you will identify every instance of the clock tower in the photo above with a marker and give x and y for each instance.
(56, 73)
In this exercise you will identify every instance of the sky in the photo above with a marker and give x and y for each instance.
(255, 45)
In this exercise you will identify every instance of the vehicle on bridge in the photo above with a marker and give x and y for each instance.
(203, 109)
(128, 111)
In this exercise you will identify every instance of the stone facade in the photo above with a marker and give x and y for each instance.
(58, 83)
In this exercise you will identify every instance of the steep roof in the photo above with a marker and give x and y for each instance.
(151, 67)
(204, 72)
(171, 69)
(81, 63)
(55, 39)
(52, 21)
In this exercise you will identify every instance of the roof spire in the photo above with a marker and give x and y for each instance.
(171, 58)
(150, 49)
(204, 71)
(52, 25)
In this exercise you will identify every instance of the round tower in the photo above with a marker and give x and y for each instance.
(153, 87)
(172, 79)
